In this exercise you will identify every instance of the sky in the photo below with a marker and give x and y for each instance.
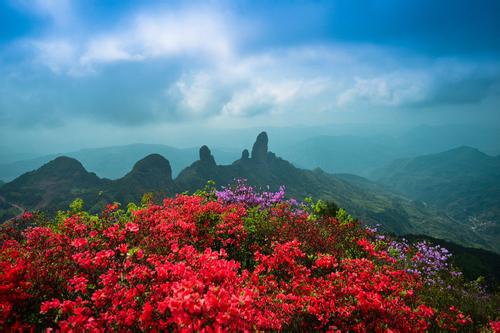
(92, 73)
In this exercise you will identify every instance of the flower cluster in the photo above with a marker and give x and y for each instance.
(241, 192)
(198, 264)
(422, 258)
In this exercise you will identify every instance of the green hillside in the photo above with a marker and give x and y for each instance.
(463, 182)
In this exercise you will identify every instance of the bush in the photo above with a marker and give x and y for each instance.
(208, 262)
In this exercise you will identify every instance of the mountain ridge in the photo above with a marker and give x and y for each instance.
(112, 162)
(464, 182)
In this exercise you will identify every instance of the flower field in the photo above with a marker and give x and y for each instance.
(236, 260)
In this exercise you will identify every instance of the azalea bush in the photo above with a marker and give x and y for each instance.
(236, 259)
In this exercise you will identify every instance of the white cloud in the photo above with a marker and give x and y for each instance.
(268, 96)
(57, 55)
(196, 94)
(107, 49)
(394, 89)
(187, 32)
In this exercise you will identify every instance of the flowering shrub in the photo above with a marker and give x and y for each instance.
(422, 258)
(241, 192)
(239, 261)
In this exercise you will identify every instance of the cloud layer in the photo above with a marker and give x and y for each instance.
(200, 63)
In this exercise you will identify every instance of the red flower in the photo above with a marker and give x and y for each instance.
(132, 227)
(202, 265)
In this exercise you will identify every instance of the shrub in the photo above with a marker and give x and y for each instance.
(205, 263)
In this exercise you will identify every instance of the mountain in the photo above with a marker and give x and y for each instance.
(367, 200)
(343, 154)
(464, 182)
(57, 183)
(367, 149)
(151, 174)
(425, 139)
(358, 149)
(53, 186)
(113, 162)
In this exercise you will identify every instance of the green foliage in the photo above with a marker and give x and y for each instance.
(76, 206)
(344, 217)
(208, 191)
(131, 207)
(147, 198)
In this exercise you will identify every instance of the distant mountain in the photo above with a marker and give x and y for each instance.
(341, 148)
(464, 182)
(10, 153)
(343, 154)
(366, 150)
(425, 139)
(56, 184)
(114, 162)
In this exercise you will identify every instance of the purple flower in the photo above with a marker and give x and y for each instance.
(241, 192)
(422, 258)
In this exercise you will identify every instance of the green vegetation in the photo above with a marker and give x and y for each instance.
(463, 182)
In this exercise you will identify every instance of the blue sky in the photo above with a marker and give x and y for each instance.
(131, 71)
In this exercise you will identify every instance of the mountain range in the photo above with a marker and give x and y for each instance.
(340, 148)
(54, 185)
(114, 162)
(463, 182)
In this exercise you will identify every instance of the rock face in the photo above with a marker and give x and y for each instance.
(206, 156)
(259, 149)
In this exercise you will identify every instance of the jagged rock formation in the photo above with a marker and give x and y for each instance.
(259, 149)
(245, 155)
(199, 171)
(206, 156)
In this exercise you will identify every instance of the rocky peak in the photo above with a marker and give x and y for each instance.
(259, 149)
(245, 154)
(206, 156)
(62, 167)
(153, 165)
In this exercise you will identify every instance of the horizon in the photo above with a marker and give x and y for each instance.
(239, 141)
